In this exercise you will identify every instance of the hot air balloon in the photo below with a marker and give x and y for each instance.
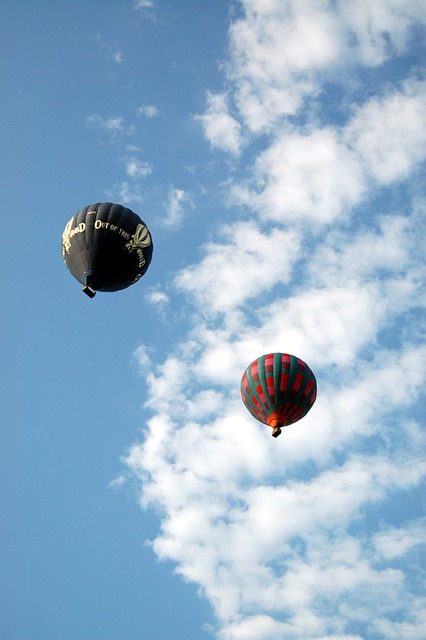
(106, 247)
(278, 389)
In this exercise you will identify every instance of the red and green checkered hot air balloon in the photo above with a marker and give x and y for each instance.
(278, 389)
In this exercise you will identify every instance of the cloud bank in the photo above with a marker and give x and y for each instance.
(317, 534)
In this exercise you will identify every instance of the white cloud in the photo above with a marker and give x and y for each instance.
(175, 206)
(380, 29)
(317, 176)
(157, 297)
(142, 359)
(304, 178)
(282, 51)
(389, 133)
(133, 148)
(387, 250)
(260, 541)
(148, 111)
(115, 125)
(161, 303)
(124, 192)
(136, 168)
(414, 628)
(220, 128)
(144, 4)
(396, 542)
(248, 263)
(270, 548)
(274, 48)
(240, 522)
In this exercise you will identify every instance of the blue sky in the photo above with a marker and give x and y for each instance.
(276, 150)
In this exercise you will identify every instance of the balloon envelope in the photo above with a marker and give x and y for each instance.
(278, 389)
(106, 247)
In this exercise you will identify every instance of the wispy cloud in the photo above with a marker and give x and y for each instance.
(115, 125)
(148, 111)
(177, 201)
(221, 129)
(160, 301)
(146, 8)
(394, 542)
(142, 359)
(144, 4)
(125, 192)
(113, 52)
(136, 168)
(133, 148)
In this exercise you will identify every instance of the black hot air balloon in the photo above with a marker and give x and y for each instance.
(107, 247)
(278, 389)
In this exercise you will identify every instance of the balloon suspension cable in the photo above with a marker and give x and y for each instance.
(89, 291)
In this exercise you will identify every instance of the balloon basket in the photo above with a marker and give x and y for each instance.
(89, 291)
(275, 422)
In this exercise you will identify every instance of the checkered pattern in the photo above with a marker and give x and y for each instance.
(279, 384)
